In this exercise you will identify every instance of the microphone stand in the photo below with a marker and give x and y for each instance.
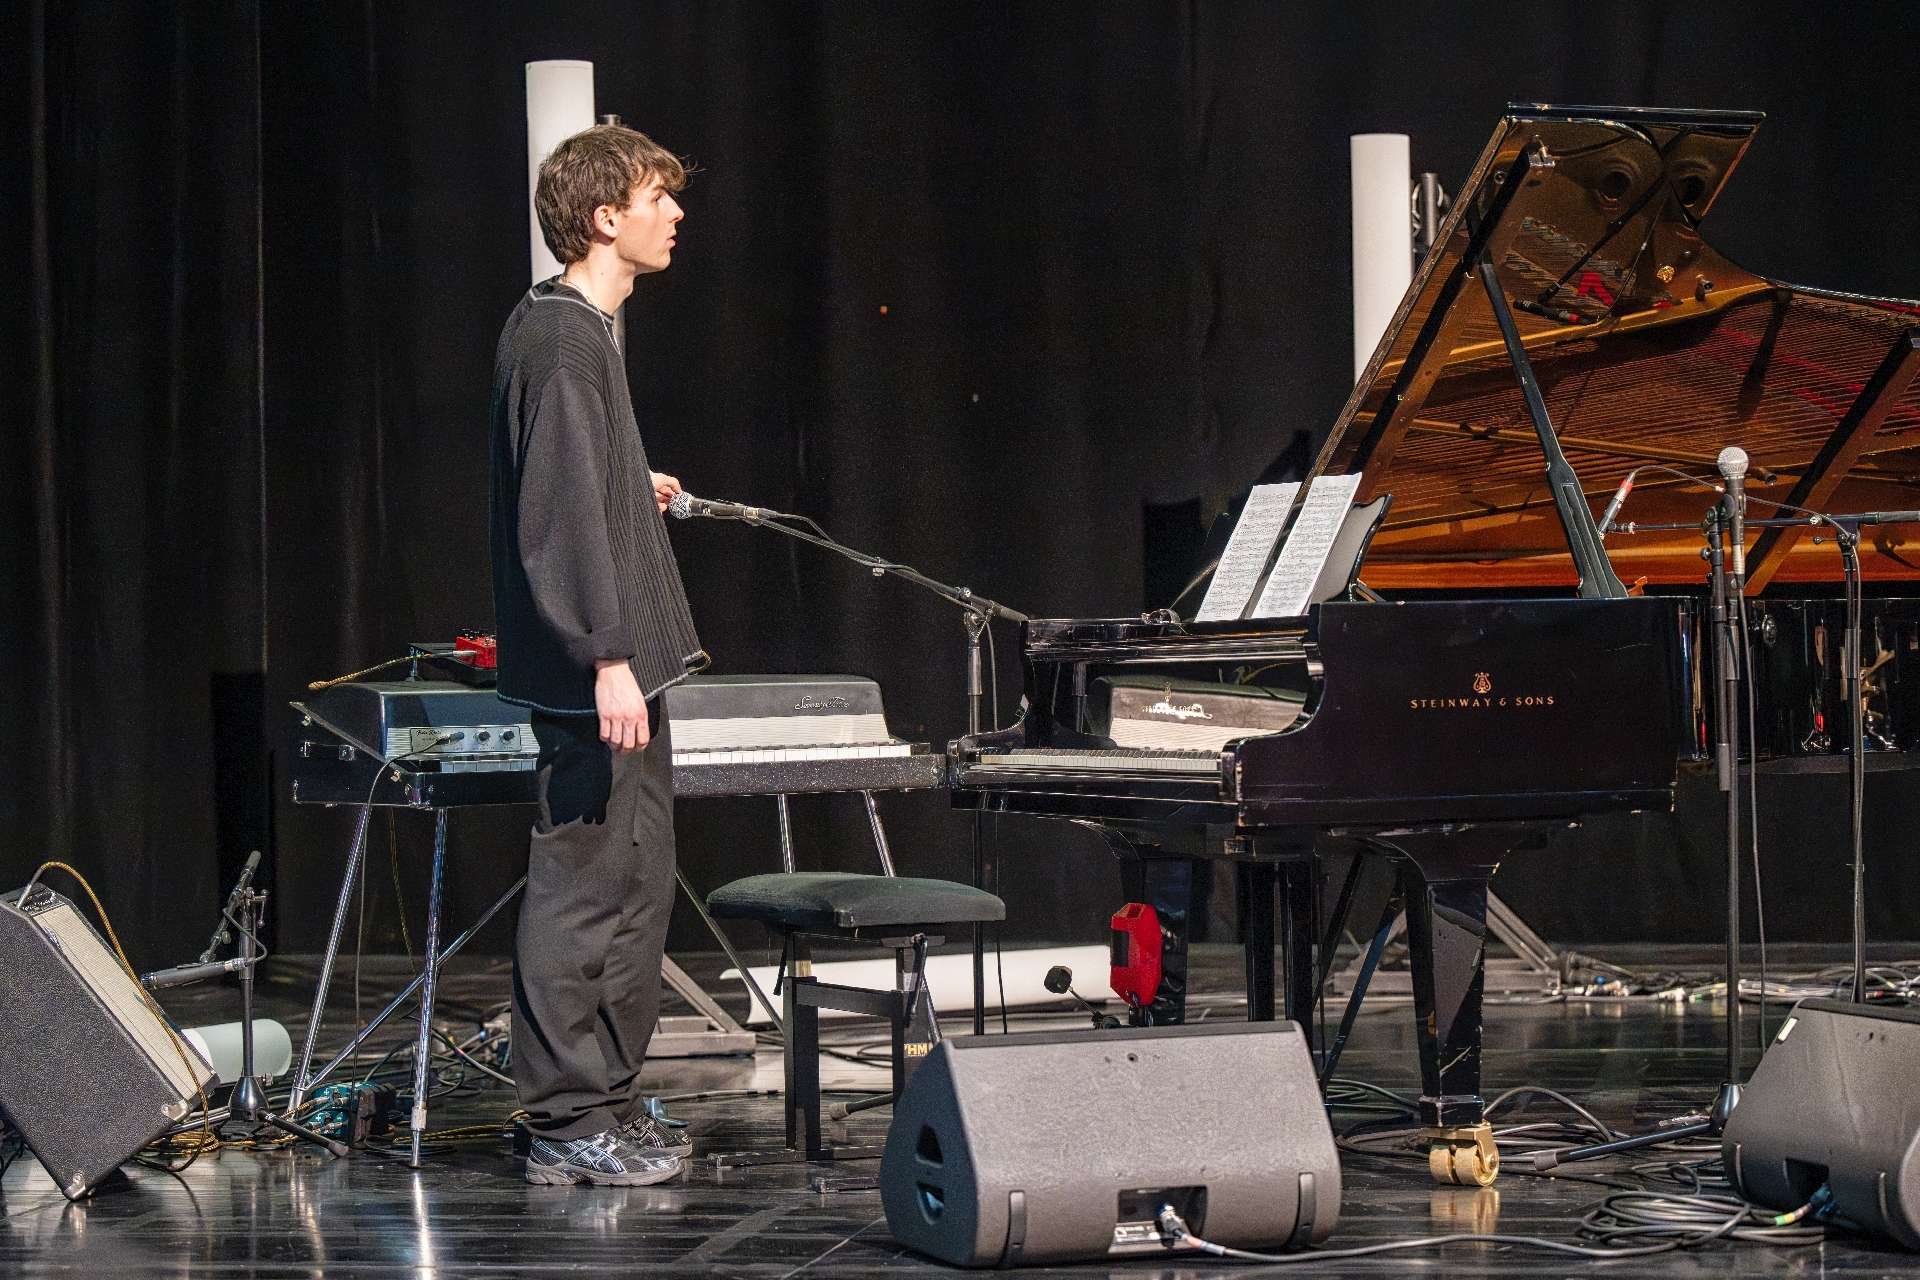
(1846, 536)
(976, 612)
(249, 1099)
(1725, 614)
(1848, 540)
(1726, 760)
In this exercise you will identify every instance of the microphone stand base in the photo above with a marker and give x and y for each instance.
(1711, 1125)
(249, 1105)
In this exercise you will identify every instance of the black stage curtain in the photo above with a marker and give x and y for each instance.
(975, 286)
(133, 590)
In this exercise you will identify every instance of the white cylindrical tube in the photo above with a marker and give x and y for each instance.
(220, 1046)
(559, 105)
(1382, 237)
(1023, 974)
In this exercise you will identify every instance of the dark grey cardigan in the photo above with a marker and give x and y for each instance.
(582, 568)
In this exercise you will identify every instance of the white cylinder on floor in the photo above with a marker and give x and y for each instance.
(1382, 237)
(559, 105)
(950, 978)
(220, 1046)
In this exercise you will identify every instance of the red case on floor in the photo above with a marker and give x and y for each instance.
(1134, 952)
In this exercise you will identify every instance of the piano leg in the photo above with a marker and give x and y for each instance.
(1256, 926)
(1444, 876)
(1295, 923)
(1299, 928)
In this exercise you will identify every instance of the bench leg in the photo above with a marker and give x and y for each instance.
(912, 1031)
(802, 1055)
(902, 977)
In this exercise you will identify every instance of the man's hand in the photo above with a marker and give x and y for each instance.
(623, 712)
(664, 487)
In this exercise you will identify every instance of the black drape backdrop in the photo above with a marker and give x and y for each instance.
(133, 590)
(971, 285)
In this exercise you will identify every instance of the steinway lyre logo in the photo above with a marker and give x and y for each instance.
(1482, 698)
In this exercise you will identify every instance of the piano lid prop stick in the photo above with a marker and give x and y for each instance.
(559, 105)
(1382, 237)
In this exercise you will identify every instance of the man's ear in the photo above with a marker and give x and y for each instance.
(603, 221)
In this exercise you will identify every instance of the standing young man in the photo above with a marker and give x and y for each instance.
(593, 625)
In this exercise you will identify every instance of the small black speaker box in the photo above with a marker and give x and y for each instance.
(1836, 1100)
(89, 1073)
(1043, 1147)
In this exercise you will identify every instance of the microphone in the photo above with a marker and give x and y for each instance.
(183, 974)
(1733, 468)
(1059, 980)
(222, 934)
(683, 505)
(1619, 500)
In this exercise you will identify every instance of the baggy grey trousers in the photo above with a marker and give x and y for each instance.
(593, 925)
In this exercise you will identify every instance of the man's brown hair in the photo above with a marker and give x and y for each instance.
(596, 166)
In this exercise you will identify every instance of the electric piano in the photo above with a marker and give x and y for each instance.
(435, 744)
(1486, 674)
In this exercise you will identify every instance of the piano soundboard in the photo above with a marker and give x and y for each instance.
(441, 744)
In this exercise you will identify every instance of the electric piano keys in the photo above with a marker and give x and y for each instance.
(439, 744)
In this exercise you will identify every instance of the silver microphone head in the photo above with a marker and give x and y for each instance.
(680, 506)
(1733, 462)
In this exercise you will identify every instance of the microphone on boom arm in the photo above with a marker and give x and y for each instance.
(1619, 500)
(684, 505)
(183, 974)
(1733, 468)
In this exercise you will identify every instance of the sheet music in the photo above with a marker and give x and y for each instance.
(1290, 586)
(1248, 551)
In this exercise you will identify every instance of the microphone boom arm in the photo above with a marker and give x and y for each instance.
(964, 597)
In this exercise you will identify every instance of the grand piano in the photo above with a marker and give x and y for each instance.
(1494, 667)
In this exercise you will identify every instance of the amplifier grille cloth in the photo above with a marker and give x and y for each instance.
(102, 972)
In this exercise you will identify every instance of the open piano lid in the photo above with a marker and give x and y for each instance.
(1658, 349)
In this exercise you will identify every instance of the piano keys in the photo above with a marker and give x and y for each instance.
(441, 744)
(786, 735)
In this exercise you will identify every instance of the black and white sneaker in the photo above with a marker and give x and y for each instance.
(654, 1138)
(602, 1159)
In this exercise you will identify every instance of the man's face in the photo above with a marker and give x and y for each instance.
(644, 233)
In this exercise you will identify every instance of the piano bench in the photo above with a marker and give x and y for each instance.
(842, 904)
(904, 916)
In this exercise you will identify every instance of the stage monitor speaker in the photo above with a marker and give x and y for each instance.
(1835, 1101)
(1045, 1146)
(89, 1074)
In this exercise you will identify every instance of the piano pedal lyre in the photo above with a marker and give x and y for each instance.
(1462, 1155)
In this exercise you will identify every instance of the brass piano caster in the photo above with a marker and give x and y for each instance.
(1463, 1156)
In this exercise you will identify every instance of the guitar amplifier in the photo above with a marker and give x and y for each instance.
(89, 1073)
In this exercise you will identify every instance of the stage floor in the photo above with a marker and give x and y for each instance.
(291, 1213)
